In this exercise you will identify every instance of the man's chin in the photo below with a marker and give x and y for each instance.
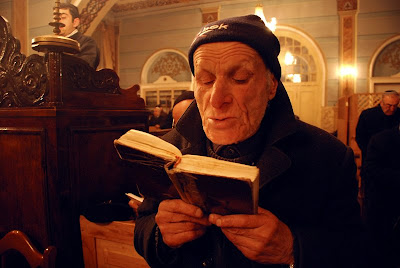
(224, 138)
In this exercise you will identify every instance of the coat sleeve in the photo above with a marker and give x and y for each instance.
(362, 136)
(149, 243)
(147, 238)
(89, 52)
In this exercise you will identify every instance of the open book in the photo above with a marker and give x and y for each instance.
(216, 186)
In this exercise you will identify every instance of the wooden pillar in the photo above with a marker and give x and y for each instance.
(347, 10)
(20, 23)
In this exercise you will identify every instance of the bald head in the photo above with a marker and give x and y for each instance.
(180, 108)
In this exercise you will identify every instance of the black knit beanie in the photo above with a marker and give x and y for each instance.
(249, 30)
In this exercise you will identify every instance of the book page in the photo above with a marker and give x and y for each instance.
(150, 144)
(197, 164)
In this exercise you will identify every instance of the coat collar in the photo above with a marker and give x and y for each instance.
(278, 123)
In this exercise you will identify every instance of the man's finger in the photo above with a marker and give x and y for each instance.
(179, 206)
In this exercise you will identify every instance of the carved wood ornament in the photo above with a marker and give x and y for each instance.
(23, 80)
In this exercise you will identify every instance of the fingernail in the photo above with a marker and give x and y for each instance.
(199, 213)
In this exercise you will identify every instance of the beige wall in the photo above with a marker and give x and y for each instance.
(142, 32)
(177, 29)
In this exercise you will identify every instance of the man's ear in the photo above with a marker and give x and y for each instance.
(76, 22)
(273, 86)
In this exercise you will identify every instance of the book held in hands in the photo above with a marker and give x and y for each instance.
(216, 186)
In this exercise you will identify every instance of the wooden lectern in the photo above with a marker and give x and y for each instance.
(58, 120)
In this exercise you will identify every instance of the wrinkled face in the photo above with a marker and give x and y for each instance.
(70, 24)
(389, 104)
(232, 90)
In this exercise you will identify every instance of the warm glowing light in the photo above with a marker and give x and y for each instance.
(296, 78)
(289, 59)
(259, 11)
(348, 70)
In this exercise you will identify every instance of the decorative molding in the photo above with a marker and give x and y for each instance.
(117, 8)
(391, 56)
(89, 13)
(79, 76)
(347, 5)
(169, 64)
(347, 10)
(210, 14)
(23, 80)
(348, 40)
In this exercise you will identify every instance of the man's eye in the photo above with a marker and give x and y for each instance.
(208, 82)
(240, 80)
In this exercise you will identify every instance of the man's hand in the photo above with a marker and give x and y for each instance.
(180, 222)
(262, 238)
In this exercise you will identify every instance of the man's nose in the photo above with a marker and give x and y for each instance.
(221, 93)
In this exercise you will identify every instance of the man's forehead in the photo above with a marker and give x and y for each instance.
(234, 51)
(219, 47)
(64, 11)
(391, 98)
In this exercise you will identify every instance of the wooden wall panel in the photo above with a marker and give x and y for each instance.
(23, 182)
(94, 166)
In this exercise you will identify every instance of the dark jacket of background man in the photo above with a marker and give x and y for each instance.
(374, 120)
(382, 207)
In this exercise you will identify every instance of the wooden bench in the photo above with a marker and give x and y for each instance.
(109, 244)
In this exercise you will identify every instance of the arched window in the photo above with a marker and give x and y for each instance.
(384, 70)
(165, 75)
(297, 64)
(303, 75)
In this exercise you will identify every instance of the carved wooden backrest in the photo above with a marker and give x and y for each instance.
(57, 79)
(23, 80)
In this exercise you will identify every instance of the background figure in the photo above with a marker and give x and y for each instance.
(181, 103)
(382, 207)
(158, 118)
(89, 51)
(386, 115)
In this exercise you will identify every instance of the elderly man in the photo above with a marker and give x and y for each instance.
(308, 214)
(371, 121)
(386, 115)
(89, 51)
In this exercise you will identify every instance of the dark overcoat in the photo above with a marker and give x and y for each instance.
(89, 51)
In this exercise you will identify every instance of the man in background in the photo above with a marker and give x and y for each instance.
(181, 103)
(386, 115)
(382, 207)
(157, 119)
(373, 120)
(89, 51)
